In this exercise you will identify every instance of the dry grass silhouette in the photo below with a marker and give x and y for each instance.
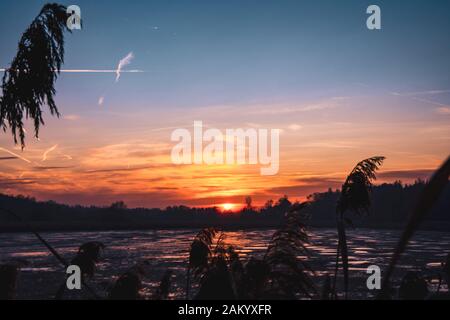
(355, 197)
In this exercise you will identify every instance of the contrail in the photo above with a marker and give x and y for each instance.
(412, 96)
(99, 71)
(91, 71)
(419, 93)
(16, 155)
(430, 102)
(122, 63)
(44, 156)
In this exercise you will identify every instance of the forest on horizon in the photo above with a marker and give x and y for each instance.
(391, 206)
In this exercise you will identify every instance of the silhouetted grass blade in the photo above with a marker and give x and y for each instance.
(426, 201)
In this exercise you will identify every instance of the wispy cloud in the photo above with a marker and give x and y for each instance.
(15, 155)
(42, 168)
(8, 183)
(295, 127)
(435, 103)
(128, 169)
(407, 174)
(48, 151)
(443, 110)
(421, 93)
(413, 96)
(293, 109)
(329, 145)
(122, 63)
(71, 117)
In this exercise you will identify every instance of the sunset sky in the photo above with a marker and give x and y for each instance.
(338, 91)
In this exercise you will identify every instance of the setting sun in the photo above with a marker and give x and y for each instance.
(228, 206)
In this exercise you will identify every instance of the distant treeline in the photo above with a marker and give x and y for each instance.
(390, 208)
(391, 205)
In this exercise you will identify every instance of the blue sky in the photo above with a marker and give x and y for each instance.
(216, 52)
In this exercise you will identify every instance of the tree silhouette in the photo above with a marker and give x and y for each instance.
(248, 203)
(118, 205)
(29, 82)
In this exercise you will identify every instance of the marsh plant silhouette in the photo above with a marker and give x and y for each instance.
(355, 197)
(9, 274)
(87, 257)
(426, 201)
(220, 274)
(289, 275)
(29, 83)
(200, 253)
(128, 286)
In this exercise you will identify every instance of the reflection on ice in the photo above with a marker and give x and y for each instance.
(163, 249)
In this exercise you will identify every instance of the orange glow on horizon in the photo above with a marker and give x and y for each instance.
(121, 166)
(228, 207)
